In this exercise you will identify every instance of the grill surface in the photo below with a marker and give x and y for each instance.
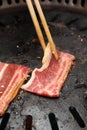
(71, 36)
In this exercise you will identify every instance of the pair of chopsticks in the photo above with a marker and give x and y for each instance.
(45, 26)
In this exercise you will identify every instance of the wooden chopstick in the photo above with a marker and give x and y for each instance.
(45, 26)
(36, 23)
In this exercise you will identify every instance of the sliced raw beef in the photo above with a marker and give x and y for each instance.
(12, 77)
(49, 79)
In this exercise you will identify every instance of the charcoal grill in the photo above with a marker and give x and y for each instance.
(69, 30)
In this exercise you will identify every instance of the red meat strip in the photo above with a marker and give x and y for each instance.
(49, 81)
(12, 77)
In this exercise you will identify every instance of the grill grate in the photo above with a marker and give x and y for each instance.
(74, 5)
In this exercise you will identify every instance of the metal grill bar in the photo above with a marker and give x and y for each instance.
(72, 5)
(11, 4)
